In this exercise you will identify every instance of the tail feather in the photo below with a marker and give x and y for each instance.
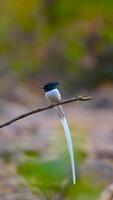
(60, 112)
(68, 139)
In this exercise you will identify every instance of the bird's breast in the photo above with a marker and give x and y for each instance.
(53, 96)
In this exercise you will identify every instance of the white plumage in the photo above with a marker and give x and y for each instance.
(54, 96)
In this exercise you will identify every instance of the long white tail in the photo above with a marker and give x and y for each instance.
(68, 139)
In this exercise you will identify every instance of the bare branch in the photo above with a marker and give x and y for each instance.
(77, 98)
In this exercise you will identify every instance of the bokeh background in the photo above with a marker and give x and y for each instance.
(71, 42)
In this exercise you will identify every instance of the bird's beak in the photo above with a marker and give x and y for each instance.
(41, 87)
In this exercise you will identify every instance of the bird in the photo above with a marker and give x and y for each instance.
(53, 95)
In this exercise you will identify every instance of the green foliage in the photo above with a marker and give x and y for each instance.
(52, 34)
(46, 175)
(83, 190)
(49, 176)
(31, 154)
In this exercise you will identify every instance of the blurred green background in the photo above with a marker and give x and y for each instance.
(71, 42)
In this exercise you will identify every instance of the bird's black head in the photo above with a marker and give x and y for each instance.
(50, 86)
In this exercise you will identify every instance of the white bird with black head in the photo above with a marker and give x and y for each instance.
(53, 96)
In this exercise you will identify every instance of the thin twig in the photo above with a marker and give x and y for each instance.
(77, 98)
